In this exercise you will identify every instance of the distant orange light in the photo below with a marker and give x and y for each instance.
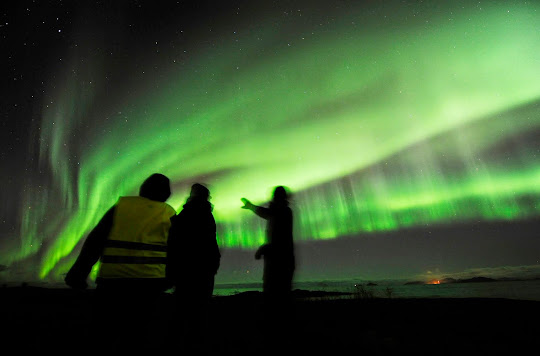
(435, 282)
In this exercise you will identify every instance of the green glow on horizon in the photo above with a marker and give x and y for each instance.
(307, 116)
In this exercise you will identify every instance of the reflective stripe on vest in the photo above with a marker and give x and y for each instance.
(136, 246)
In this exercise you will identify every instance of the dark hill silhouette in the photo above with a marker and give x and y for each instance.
(477, 280)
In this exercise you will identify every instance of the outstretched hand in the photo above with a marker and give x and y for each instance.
(247, 204)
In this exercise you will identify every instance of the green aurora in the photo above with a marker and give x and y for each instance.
(375, 122)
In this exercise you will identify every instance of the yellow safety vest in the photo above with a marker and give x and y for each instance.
(136, 246)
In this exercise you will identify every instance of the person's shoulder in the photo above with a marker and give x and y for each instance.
(170, 210)
(179, 216)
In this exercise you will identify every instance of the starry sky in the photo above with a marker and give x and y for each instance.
(408, 131)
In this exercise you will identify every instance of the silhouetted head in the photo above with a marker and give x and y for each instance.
(280, 195)
(199, 191)
(156, 187)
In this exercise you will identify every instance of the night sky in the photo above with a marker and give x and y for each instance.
(408, 131)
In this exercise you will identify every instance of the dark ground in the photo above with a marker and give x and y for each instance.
(58, 320)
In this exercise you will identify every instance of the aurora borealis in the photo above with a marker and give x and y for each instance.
(379, 117)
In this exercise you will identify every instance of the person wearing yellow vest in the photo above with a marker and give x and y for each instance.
(130, 241)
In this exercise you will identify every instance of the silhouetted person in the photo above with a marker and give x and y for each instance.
(131, 243)
(279, 262)
(193, 261)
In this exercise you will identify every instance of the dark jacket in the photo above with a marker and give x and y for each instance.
(278, 251)
(193, 251)
(279, 230)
